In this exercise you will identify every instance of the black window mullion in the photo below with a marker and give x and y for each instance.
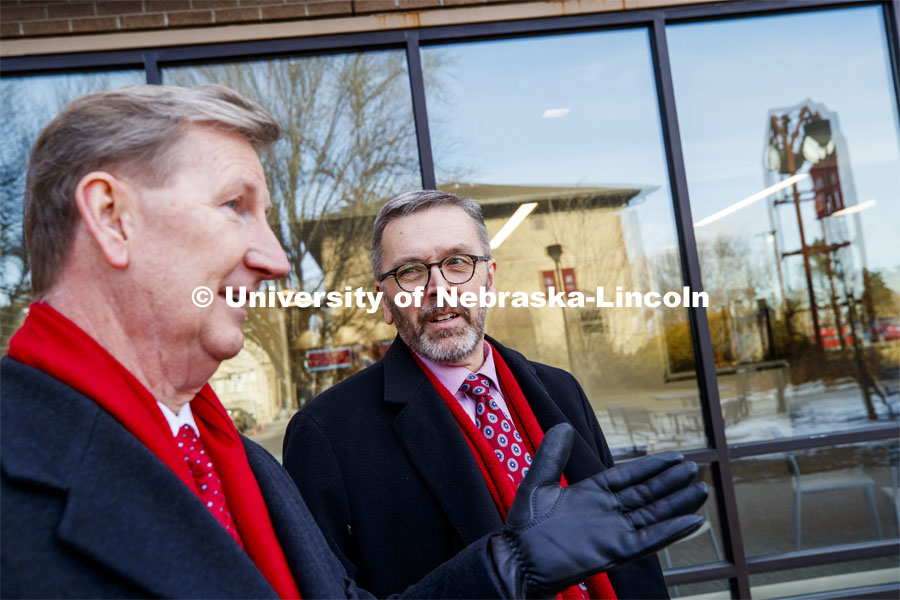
(700, 334)
(151, 68)
(875, 433)
(700, 573)
(823, 556)
(892, 23)
(701, 455)
(420, 114)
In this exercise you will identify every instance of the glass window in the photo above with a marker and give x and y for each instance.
(27, 105)
(790, 133)
(349, 145)
(704, 545)
(814, 498)
(819, 579)
(707, 590)
(564, 132)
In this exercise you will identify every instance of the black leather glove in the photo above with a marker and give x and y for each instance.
(555, 537)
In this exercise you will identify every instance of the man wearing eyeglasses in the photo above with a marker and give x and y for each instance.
(409, 461)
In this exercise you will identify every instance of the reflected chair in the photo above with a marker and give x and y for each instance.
(815, 483)
(639, 423)
(733, 410)
(706, 528)
(617, 417)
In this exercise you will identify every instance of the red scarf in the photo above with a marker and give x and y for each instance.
(51, 343)
(502, 489)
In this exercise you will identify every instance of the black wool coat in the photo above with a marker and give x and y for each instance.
(88, 511)
(389, 477)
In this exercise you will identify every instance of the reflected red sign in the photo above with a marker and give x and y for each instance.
(548, 280)
(827, 186)
(569, 283)
(328, 359)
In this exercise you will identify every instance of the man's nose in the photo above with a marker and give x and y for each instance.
(436, 281)
(267, 256)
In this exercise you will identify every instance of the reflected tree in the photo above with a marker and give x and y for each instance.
(349, 146)
(15, 280)
(27, 105)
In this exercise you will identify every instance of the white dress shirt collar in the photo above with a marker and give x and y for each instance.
(176, 422)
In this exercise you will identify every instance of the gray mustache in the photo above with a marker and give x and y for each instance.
(430, 312)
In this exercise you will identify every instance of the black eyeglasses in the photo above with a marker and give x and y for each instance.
(456, 269)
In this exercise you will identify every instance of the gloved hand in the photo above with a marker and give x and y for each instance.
(555, 537)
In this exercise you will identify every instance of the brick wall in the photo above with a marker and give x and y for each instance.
(35, 18)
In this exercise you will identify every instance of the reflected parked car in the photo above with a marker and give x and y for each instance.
(888, 330)
(243, 420)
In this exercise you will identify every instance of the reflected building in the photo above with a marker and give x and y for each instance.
(248, 383)
(601, 248)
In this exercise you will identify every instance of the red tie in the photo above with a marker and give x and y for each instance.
(506, 443)
(208, 483)
(499, 431)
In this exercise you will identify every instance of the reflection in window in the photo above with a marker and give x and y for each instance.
(814, 498)
(704, 545)
(562, 135)
(349, 146)
(27, 105)
(707, 590)
(791, 152)
(820, 579)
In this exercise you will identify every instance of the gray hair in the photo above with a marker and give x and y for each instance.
(411, 202)
(130, 131)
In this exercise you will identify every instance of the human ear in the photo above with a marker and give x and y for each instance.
(492, 274)
(104, 205)
(388, 317)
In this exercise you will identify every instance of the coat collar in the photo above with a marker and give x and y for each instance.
(124, 509)
(437, 448)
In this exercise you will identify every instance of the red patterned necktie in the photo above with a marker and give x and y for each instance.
(499, 431)
(208, 483)
(506, 443)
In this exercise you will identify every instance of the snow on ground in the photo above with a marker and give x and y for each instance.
(810, 408)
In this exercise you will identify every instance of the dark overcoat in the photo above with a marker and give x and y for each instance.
(390, 478)
(88, 511)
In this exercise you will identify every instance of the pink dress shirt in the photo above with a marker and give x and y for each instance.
(454, 376)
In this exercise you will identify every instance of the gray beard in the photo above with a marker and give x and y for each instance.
(450, 351)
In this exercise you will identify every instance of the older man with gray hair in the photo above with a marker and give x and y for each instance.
(122, 474)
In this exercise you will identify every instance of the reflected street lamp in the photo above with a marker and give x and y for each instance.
(554, 251)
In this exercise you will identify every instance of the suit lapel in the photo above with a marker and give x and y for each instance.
(437, 448)
(123, 508)
(127, 511)
(316, 570)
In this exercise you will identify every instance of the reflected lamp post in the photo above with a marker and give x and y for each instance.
(815, 145)
(554, 251)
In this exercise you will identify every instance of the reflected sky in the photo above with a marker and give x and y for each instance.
(27, 104)
(557, 110)
(728, 75)
(488, 118)
(35, 100)
(501, 91)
